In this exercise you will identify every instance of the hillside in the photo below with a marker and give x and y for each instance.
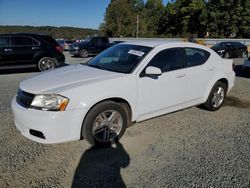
(56, 32)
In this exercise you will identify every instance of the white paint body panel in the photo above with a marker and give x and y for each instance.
(85, 86)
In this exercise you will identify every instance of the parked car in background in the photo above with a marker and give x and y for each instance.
(231, 49)
(67, 43)
(128, 82)
(64, 43)
(90, 46)
(246, 66)
(25, 50)
(116, 42)
(76, 40)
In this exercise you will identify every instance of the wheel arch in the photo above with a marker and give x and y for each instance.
(119, 100)
(211, 85)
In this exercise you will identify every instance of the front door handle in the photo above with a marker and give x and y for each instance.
(211, 69)
(8, 49)
(181, 76)
(35, 48)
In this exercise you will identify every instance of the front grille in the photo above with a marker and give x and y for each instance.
(24, 99)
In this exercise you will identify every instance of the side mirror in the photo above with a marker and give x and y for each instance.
(153, 71)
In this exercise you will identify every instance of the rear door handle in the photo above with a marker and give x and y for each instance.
(181, 76)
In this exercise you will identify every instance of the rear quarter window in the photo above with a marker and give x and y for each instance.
(195, 56)
(238, 45)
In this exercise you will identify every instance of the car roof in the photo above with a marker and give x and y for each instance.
(26, 34)
(159, 43)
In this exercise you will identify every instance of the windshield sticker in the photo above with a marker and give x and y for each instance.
(135, 52)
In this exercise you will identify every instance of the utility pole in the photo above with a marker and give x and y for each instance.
(137, 26)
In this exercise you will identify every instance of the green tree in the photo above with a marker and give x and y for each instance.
(245, 19)
(119, 19)
(154, 12)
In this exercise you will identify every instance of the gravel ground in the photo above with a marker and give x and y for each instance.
(188, 148)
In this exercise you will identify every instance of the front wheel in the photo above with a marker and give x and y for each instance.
(46, 63)
(216, 97)
(83, 53)
(105, 123)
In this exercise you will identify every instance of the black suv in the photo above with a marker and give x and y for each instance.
(90, 46)
(26, 50)
(231, 49)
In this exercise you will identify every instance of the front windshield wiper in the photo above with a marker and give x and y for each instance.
(96, 66)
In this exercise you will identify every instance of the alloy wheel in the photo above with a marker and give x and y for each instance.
(107, 126)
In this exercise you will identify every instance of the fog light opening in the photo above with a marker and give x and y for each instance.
(37, 134)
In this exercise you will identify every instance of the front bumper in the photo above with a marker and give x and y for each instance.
(56, 127)
(246, 64)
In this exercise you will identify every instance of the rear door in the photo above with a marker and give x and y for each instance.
(23, 49)
(200, 70)
(5, 50)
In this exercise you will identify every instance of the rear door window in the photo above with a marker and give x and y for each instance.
(21, 41)
(195, 57)
(238, 45)
(4, 41)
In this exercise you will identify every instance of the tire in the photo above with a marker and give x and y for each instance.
(83, 53)
(97, 128)
(46, 63)
(216, 98)
(226, 55)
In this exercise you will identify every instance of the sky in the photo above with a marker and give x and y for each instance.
(74, 13)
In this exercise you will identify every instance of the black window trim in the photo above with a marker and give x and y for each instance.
(23, 45)
(184, 60)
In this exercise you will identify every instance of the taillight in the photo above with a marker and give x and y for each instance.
(59, 49)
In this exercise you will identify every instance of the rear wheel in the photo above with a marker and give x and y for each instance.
(216, 97)
(105, 123)
(46, 63)
(83, 53)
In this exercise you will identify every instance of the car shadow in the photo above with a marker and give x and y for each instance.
(100, 167)
(16, 71)
(236, 102)
(239, 72)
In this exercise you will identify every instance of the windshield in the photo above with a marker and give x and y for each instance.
(121, 58)
(218, 45)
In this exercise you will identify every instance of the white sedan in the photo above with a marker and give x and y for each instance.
(127, 83)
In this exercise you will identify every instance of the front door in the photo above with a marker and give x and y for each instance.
(23, 50)
(157, 95)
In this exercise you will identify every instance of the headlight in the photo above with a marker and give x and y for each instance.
(76, 47)
(50, 102)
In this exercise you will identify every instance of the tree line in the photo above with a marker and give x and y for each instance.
(179, 18)
(56, 32)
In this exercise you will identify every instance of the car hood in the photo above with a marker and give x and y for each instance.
(65, 77)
